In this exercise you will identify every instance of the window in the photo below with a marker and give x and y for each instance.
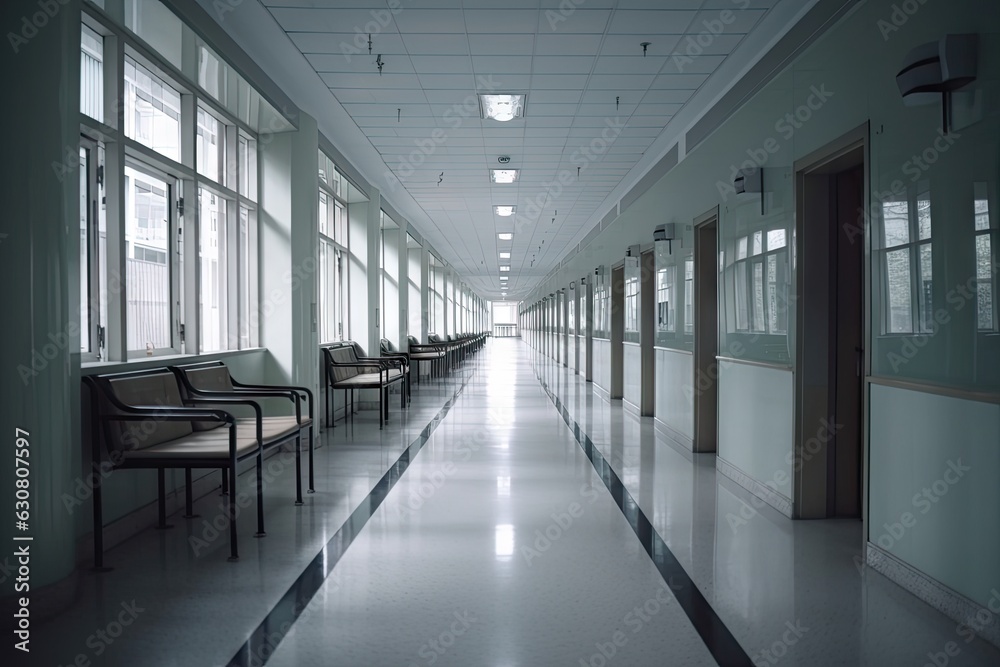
(632, 305)
(907, 267)
(760, 282)
(212, 297)
(152, 110)
(583, 308)
(246, 271)
(248, 166)
(571, 320)
(92, 74)
(333, 254)
(148, 227)
(666, 304)
(986, 235)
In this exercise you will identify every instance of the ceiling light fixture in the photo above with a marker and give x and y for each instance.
(505, 255)
(505, 236)
(502, 176)
(504, 211)
(502, 107)
(504, 268)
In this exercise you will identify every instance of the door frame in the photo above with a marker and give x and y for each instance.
(701, 363)
(811, 470)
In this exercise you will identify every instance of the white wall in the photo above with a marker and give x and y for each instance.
(675, 393)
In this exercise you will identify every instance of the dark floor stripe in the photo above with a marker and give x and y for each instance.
(264, 640)
(717, 637)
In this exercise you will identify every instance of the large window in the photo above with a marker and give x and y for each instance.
(176, 268)
(760, 284)
(666, 300)
(333, 249)
(907, 268)
(602, 304)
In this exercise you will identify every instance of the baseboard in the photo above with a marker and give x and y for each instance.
(668, 432)
(631, 409)
(952, 604)
(602, 392)
(762, 491)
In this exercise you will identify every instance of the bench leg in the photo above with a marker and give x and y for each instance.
(225, 482)
(298, 468)
(161, 486)
(188, 496)
(233, 552)
(312, 481)
(381, 410)
(260, 495)
(98, 527)
(402, 395)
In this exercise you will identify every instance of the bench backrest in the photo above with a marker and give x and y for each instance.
(207, 378)
(342, 354)
(158, 388)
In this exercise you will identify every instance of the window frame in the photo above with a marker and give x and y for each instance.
(921, 313)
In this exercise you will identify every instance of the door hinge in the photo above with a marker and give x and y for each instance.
(100, 174)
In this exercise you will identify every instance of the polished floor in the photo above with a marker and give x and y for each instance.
(509, 517)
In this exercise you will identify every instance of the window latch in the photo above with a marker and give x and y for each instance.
(180, 206)
(180, 331)
(100, 174)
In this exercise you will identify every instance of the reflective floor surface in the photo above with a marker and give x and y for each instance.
(476, 530)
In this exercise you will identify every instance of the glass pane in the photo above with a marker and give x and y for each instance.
(147, 277)
(741, 248)
(92, 74)
(775, 239)
(246, 263)
(84, 251)
(324, 213)
(152, 111)
(212, 253)
(984, 304)
(897, 268)
(340, 224)
(984, 265)
(758, 242)
(209, 147)
(925, 288)
(982, 207)
(758, 296)
(157, 25)
(665, 302)
(777, 293)
(924, 214)
(742, 312)
(102, 250)
(211, 73)
(688, 296)
(896, 223)
(248, 167)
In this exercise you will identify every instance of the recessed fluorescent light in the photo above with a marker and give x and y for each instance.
(502, 176)
(505, 255)
(501, 107)
(505, 236)
(505, 268)
(504, 211)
